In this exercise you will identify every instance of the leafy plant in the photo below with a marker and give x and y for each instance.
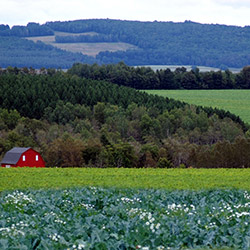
(98, 218)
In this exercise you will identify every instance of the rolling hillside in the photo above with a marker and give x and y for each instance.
(134, 42)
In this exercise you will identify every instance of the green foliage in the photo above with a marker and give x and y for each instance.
(65, 113)
(98, 218)
(18, 52)
(164, 163)
(121, 155)
(100, 38)
(59, 91)
(32, 29)
(182, 166)
(146, 78)
(9, 118)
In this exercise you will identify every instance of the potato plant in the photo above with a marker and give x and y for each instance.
(111, 218)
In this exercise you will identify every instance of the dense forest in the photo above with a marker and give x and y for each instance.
(18, 52)
(146, 78)
(79, 122)
(158, 43)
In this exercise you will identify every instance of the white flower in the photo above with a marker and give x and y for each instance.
(149, 216)
(81, 246)
(160, 248)
(152, 220)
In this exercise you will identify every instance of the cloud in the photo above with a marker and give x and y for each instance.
(234, 3)
(21, 12)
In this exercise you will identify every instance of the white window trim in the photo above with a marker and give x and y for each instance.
(24, 158)
(37, 158)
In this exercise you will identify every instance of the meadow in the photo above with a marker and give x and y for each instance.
(171, 179)
(235, 101)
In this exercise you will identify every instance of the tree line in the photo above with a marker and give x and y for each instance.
(147, 78)
(100, 38)
(32, 29)
(76, 122)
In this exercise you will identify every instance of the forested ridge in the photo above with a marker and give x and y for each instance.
(147, 78)
(79, 122)
(158, 43)
(18, 52)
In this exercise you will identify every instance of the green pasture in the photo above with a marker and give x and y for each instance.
(171, 179)
(235, 101)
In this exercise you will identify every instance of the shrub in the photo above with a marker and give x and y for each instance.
(164, 163)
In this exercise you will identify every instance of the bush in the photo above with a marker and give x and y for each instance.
(182, 166)
(164, 163)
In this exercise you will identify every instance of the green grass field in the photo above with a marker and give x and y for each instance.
(171, 179)
(235, 101)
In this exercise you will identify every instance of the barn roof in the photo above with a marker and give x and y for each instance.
(13, 155)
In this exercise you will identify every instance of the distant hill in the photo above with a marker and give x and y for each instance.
(60, 44)
(18, 52)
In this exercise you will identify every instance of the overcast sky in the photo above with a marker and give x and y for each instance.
(229, 12)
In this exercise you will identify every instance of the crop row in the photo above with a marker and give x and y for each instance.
(98, 218)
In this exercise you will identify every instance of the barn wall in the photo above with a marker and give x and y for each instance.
(7, 165)
(30, 159)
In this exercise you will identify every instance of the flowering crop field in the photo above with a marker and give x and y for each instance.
(111, 218)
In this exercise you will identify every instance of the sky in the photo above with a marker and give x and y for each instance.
(228, 12)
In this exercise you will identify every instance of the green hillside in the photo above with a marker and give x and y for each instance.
(235, 101)
(134, 42)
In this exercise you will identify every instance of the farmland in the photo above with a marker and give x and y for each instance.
(235, 101)
(90, 49)
(100, 218)
(172, 179)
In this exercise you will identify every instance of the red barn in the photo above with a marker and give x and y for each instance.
(22, 157)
